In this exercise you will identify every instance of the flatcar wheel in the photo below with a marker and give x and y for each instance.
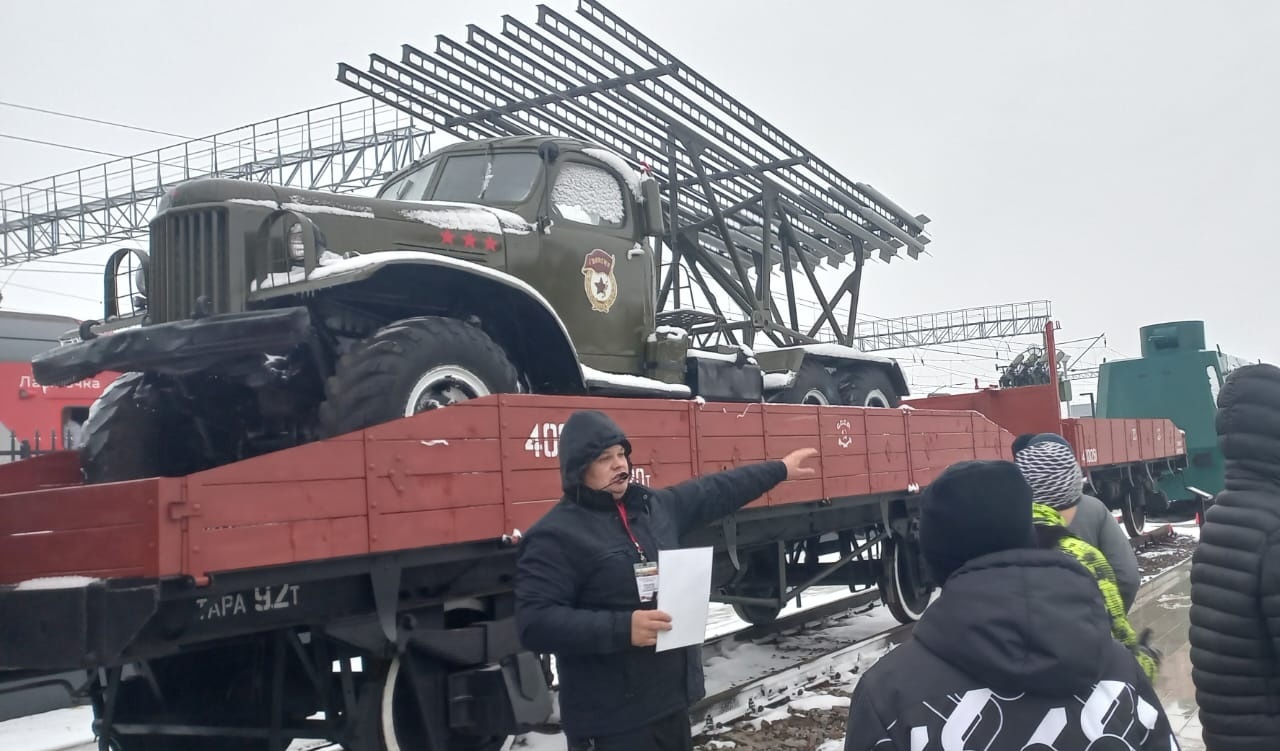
(389, 718)
(761, 581)
(902, 587)
(1133, 510)
(757, 615)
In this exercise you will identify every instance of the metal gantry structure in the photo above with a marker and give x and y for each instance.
(340, 147)
(951, 326)
(743, 199)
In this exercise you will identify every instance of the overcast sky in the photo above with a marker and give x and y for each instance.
(1119, 159)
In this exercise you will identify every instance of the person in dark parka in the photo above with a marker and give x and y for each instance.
(578, 592)
(1016, 652)
(1235, 573)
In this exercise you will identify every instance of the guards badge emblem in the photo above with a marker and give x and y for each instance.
(598, 280)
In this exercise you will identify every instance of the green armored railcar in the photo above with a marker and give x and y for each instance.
(1176, 377)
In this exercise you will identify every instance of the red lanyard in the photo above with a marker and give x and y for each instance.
(622, 512)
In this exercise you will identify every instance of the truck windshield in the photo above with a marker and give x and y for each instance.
(413, 186)
(488, 178)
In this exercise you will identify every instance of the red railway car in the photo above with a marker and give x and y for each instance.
(1123, 459)
(33, 417)
(281, 566)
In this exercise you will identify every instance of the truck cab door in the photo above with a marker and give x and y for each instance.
(595, 268)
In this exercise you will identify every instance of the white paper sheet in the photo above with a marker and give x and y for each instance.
(684, 593)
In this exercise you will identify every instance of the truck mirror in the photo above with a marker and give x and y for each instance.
(652, 207)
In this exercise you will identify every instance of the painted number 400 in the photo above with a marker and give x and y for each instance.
(544, 440)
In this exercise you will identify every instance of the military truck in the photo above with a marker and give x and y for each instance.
(528, 257)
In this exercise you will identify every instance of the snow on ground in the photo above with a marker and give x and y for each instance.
(731, 663)
(722, 620)
(60, 729)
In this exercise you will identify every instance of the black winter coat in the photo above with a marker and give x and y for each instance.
(576, 589)
(1235, 574)
(1016, 654)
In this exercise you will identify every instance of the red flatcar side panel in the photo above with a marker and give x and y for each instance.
(121, 529)
(52, 470)
(989, 441)
(473, 471)
(432, 481)
(1101, 442)
(420, 528)
(659, 432)
(263, 511)
(843, 441)
(1117, 448)
(937, 440)
(413, 476)
(786, 429)
(887, 454)
(272, 544)
(728, 436)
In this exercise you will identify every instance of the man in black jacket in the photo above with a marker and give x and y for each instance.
(1235, 573)
(582, 587)
(1016, 653)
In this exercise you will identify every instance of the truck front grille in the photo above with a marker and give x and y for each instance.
(189, 258)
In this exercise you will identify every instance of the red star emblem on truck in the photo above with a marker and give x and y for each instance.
(469, 240)
(491, 244)
(446, 237)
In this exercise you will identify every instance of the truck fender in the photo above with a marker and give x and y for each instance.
(834, 355)
(554, 364)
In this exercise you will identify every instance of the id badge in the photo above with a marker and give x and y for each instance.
(647, 580)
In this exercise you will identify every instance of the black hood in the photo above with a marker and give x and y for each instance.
(1248, 421)
(1021, 620)
(585, 436)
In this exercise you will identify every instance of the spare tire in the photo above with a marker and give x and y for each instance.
(411, 366)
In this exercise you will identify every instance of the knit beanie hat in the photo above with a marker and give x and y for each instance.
(1051, 470)
(973, 509)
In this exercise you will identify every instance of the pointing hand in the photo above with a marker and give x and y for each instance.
(795, 459)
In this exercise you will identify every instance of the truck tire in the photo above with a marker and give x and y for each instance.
(813, 385)
(869, 386)
(129, 435)
(410, 366)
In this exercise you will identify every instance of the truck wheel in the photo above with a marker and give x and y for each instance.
(870, 387)
(813, 385)
(411, 366)
(129, 435)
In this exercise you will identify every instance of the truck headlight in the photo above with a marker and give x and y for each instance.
(297, 248)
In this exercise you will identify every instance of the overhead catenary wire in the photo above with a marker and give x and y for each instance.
(99, 121)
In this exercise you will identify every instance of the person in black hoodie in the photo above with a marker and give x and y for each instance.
(578, 587)
(1235, 573)
(1016, 652)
